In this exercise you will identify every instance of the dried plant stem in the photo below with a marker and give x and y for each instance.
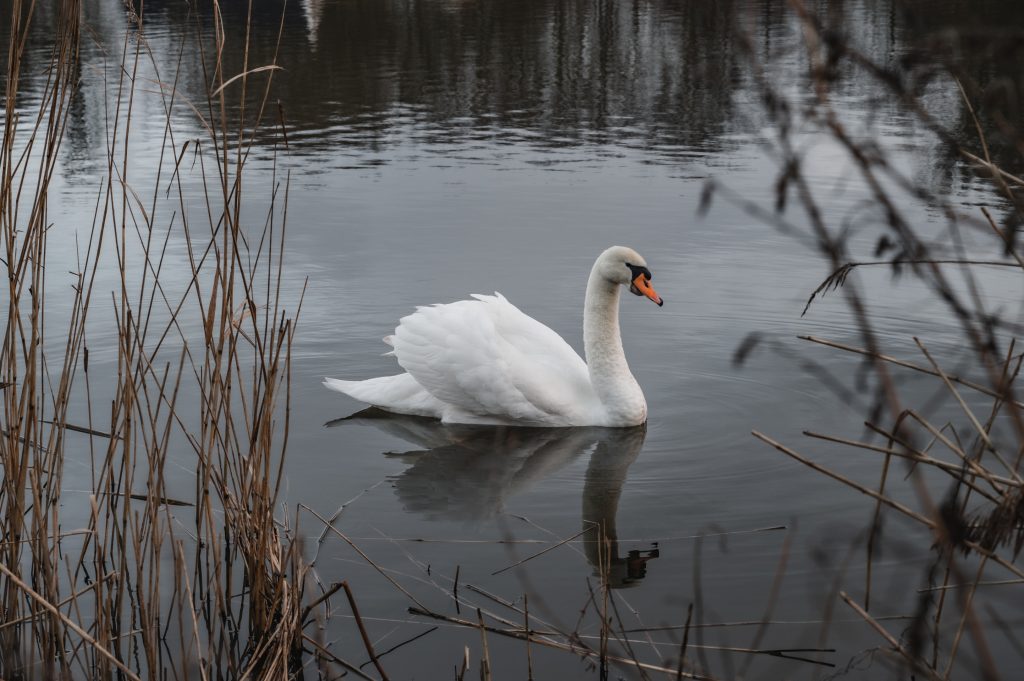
(956, 470)
(979, 429)
(585, 652)
(35, 596)
(912, 660)
(907, 365)
(485, 654)
(847, 481)
(541, 553)
(362, 630)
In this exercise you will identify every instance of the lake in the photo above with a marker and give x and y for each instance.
(436, 149)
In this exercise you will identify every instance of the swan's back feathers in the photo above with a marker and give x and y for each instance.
(486, 358)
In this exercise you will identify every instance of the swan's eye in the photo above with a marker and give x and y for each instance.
(637, 270)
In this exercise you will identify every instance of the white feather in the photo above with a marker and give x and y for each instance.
(399, 393)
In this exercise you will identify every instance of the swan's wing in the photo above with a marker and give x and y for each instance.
(401, 394)
(486, 357)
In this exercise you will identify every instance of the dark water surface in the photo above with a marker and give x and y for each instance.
(438, 149)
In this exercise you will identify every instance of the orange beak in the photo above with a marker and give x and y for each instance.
(643, 285)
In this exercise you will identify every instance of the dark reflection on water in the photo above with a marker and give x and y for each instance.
(661, 72)
(659, 76)
(982, 43)
(466, 473)
(655, 73)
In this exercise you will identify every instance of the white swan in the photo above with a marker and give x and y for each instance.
(483, 361)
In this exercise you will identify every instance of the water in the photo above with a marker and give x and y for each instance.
(438, 149)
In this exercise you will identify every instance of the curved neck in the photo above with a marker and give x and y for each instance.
(609, 373)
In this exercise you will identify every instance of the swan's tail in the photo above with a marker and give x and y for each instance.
(400, 394)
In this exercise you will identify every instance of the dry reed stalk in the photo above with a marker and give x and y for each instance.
(985, 390)
(362, 630)
(540, 553)
(485, 651)
(895, 644)
(526, 629)
(981, 514)
(240, 610)
(585, 652)
(685, 641)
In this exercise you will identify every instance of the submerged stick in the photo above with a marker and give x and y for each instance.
(571, 540)
(455, 590)
(362, 631)
(686, 640)
(520, 635)
(403, 643)
(754, 623)
(947, 587)
(334, 658)
(541, 553)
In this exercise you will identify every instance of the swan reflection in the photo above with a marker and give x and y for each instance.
(614, 452)
(463, 472)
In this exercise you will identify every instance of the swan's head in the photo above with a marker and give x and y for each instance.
(622, 265)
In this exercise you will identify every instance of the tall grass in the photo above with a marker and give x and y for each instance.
(138, 592)
(965, 482)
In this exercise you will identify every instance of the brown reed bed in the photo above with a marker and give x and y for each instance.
(138, 592)
(963, 472)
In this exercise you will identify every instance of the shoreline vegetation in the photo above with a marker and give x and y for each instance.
(964, 474)
(136, 593)
(118, 585)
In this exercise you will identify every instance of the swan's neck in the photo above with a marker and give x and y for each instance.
(615, 386)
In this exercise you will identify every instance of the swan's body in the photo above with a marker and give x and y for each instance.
(483, 361)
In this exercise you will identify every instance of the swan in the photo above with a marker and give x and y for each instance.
(483, 361)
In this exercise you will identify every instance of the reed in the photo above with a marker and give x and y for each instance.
(156, 584)
(963, 472)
